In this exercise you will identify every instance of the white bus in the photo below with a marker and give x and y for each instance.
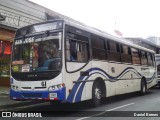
(65, 61)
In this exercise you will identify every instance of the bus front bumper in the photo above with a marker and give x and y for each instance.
(38, 95)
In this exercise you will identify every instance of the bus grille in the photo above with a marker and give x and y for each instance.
(30, 95)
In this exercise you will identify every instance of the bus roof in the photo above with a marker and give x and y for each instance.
(105, 35)
(96, 31)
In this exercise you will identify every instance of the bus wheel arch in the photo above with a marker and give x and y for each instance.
(98, 91)
(143, 88)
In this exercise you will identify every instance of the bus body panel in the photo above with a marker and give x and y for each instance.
(125, 79)
(74, 80)
(32, 87)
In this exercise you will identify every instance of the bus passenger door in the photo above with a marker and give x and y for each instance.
(77, 64)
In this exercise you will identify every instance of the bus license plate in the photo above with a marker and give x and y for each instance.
(53, 95)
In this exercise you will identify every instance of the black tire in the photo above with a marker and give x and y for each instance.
(143, 87)
(96, 94)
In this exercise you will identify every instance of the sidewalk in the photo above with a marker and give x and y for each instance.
(6, 103)
(4, 90)
(4, 97)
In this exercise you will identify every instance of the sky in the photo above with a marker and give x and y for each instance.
(133, 18)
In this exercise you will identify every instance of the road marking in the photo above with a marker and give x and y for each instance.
(105, 111)
(22, 107)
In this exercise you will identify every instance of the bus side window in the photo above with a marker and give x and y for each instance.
(135, 56)
(98, 48)
(67, 49)
(125, 54)
(76, 50)
(113, 51)
(150, 60)
(82, 52)
(143, 58)
(73, 50)
(154, 61)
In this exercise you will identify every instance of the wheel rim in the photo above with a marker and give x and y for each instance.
(97, 94)
(144, 88)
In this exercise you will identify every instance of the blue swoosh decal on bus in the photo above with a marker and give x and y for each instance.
(110, 78)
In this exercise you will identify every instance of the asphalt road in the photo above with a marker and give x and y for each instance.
(124, 107)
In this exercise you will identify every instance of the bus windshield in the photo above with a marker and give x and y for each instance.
(37, 53)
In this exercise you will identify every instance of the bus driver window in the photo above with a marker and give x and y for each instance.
(76, 51)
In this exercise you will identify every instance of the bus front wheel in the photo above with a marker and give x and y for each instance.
(96, 94)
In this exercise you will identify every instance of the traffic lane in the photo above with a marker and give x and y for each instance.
(109, 104)
(148, 102)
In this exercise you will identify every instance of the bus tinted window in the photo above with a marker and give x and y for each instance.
(143, 58)
(125, 54)
(97, 42)
(154, 61)
(150, 60)
(113, 51)
(98, 48)
(98, 54)
(135, 56)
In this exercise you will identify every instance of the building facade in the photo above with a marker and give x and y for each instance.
(154, 40)
(13, 15)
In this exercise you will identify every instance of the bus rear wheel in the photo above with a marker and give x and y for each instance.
(143, 87)
(96, 94)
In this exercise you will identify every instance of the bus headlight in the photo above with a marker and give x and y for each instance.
(56, 87)
(14, 87)
(53, 87)
(59, 86)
